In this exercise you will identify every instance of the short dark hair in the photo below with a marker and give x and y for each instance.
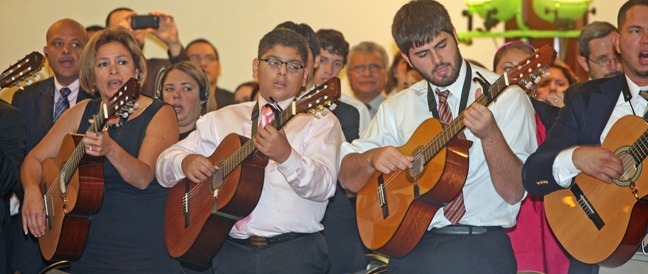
(623, 11)
(306, 32)
(333, 41)
(202, 40)
(113, 11)
(286, 38)
(418, 22)
(94, 28)
(594, 30)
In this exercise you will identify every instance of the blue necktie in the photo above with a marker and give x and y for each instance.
(62, 103)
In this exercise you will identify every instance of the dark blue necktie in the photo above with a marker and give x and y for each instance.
(62, 103)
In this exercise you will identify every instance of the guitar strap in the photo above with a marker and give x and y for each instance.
(432, 105)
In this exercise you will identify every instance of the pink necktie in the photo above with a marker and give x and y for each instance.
(267, 115)
(456, 208)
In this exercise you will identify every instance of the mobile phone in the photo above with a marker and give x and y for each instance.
(145, 22)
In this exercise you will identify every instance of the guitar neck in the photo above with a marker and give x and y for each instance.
(457, 125)
(639, 150)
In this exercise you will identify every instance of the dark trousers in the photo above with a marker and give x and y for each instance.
(307, 254)
(490, 252)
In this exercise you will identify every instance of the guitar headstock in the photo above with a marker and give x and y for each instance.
(22, 69)
(530, 70)
(122, 103)
(320, 98)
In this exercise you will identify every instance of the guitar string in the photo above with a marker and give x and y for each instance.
(431, 149)
(77, 154)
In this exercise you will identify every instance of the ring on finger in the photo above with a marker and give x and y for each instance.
(90, 147)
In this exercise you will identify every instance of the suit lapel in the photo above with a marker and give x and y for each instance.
(601, 105)
(46, 105)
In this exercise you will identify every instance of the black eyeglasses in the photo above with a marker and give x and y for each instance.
(605, 61)
(275, 63)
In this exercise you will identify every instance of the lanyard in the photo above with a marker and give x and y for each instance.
(464, 94)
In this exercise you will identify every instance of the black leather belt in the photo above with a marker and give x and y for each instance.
(465, 230)
(263, 241)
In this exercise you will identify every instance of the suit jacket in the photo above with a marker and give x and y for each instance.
(12, 151)
(340, 228)
(588, 107)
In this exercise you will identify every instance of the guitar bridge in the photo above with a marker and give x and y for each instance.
(185, 203)
(587, 207)
(381, 197)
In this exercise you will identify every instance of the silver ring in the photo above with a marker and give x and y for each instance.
(90, 147)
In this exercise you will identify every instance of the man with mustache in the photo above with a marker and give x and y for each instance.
(596, 50)
(467, 235)
(41, 104)
(367, 74)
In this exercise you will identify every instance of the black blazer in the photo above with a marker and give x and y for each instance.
(12, 151)
(588, 107)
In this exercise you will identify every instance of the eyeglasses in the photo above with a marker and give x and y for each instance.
(275, 63)
(206, 58)
(605, 61)
(373, 68)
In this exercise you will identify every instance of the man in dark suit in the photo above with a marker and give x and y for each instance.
(167, 33)
(40, 103)
(591, 108)
(204, 54)
(12, 151)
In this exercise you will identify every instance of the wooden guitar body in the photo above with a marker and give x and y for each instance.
(603, 223)
(411, 201)
(194, 233)
(70, 210)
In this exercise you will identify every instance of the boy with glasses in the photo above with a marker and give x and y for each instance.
(282, 234)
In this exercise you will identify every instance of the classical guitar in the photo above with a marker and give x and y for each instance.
(199, 216)
(21, 70)
(603, 223)
(394, 210)
(73, 185)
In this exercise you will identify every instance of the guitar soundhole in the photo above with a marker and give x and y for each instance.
(631, 170)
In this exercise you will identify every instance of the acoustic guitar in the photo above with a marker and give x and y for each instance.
(394, 210)
(21, 70)
(73, 186)
(199, 216)
(603, 223)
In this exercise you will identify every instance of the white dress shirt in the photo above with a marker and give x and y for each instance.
(399, 116)
(563, 168)
(295, 193)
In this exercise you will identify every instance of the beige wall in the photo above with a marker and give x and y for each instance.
(235, 27)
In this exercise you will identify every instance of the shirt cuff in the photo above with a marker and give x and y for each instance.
(563, 168)
(290, 166)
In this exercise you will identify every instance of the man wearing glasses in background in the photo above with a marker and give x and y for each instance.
(367, 74)
(596, 49)
(283, 232)
(203, 53)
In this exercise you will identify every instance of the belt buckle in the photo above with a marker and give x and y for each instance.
(258, 241)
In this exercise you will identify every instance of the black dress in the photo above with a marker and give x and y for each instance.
(127, 234)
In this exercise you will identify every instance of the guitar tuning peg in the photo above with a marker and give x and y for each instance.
(135, 105)
(124, 115)
(536, 79)
(527, 85)
(318, 115)
(29, 82)
(37, 77)
(130, 110)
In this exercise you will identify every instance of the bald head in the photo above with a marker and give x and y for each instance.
(65, 41)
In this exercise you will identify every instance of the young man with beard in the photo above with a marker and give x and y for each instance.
(468, 235)
(573, 144)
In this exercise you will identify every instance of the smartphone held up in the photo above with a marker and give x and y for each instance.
(145, 22)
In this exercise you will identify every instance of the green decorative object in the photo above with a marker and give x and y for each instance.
(569, 10)
(501, 10)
